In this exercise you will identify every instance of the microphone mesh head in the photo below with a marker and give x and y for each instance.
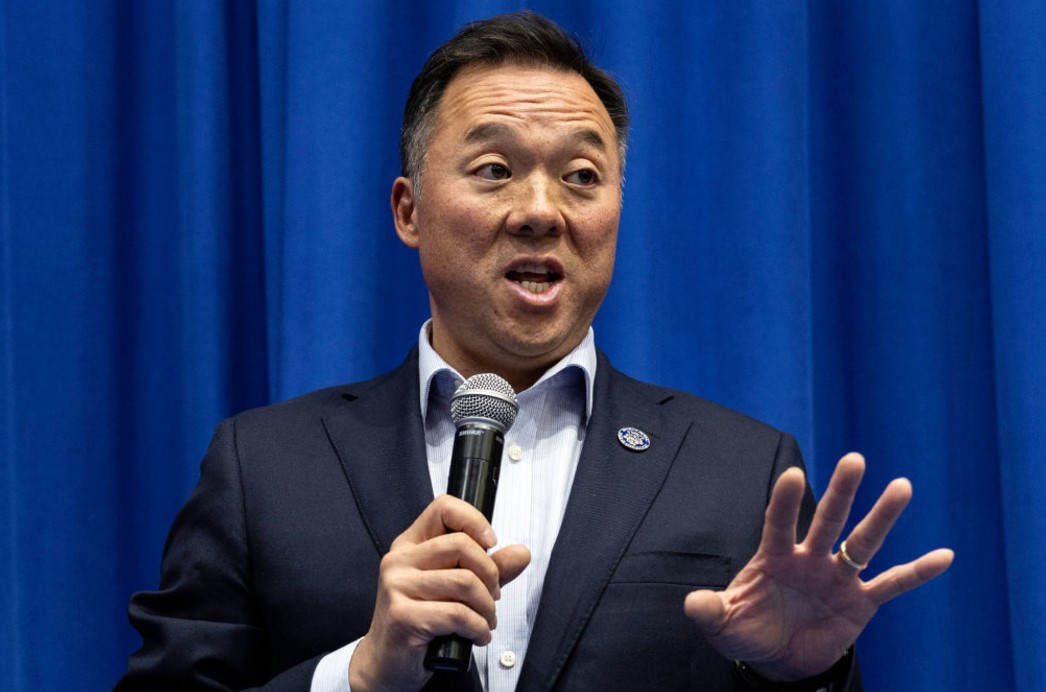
(485, 397)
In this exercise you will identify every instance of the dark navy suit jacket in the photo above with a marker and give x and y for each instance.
(273, 561)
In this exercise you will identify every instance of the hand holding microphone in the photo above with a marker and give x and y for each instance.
(438, 580)
(483, 408)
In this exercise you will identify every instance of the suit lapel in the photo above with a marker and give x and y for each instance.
(612, 491)
(379, 438)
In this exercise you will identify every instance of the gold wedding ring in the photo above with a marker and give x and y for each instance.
(845, 557)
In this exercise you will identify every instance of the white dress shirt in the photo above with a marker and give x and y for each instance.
(542, 449)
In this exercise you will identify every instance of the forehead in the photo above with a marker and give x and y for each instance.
(522, 96)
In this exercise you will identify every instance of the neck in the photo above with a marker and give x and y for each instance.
(520, 372)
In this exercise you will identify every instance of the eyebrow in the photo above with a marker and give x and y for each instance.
(486, 132)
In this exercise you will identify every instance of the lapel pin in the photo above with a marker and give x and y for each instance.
(634, 439)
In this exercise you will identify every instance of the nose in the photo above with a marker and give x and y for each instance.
(535, 211)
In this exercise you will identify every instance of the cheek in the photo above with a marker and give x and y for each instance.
(442, 238)
(461, 224)
(455, 248)
(597, 250)
(598, 242)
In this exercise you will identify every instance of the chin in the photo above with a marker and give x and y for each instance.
(550, 349)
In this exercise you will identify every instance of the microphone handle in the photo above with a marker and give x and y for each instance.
(474, 467)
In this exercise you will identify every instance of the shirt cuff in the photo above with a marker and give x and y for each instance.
(332, 672)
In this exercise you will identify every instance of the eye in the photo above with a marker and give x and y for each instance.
(585, 176)
(494, 171)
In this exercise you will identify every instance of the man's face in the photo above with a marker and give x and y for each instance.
(517, 223)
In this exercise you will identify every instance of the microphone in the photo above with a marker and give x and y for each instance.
(483, 408)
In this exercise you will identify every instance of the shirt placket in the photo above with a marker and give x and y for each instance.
(512, 524)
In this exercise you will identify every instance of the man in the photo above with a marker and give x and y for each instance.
(659, 531)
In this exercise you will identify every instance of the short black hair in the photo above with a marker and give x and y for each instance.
(525, 38)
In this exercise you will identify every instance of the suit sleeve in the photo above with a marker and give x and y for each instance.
(202, 628)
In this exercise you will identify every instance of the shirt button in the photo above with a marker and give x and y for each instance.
(508, 659)
(515, 452)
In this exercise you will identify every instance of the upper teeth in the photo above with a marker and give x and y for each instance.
(533, 269)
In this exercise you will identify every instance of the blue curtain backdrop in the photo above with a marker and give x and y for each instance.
(835, 219)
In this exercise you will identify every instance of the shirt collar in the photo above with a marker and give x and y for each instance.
(433, 371)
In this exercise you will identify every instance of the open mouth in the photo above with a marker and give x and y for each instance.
(535, 278)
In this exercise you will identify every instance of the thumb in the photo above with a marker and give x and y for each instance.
(511, 560)
(707, 610)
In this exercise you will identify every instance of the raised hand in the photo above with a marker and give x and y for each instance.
(796, 608)
(436, 579)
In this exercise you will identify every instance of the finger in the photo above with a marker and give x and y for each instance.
(782, 512)
(446, 514)
(452, 550)
(867, 537)
(897, 580)
(438, 618)
(450, 586)
(511, 561)
(707, 610)
(834, 508)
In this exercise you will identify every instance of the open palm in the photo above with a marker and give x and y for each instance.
(796, 608)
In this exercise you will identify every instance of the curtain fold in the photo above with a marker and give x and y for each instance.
(1013, 56)
(835, 220)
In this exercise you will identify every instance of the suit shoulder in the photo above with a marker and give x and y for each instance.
(699, 409)
(311, 405)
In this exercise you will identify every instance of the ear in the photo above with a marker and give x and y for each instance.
(403, 211)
